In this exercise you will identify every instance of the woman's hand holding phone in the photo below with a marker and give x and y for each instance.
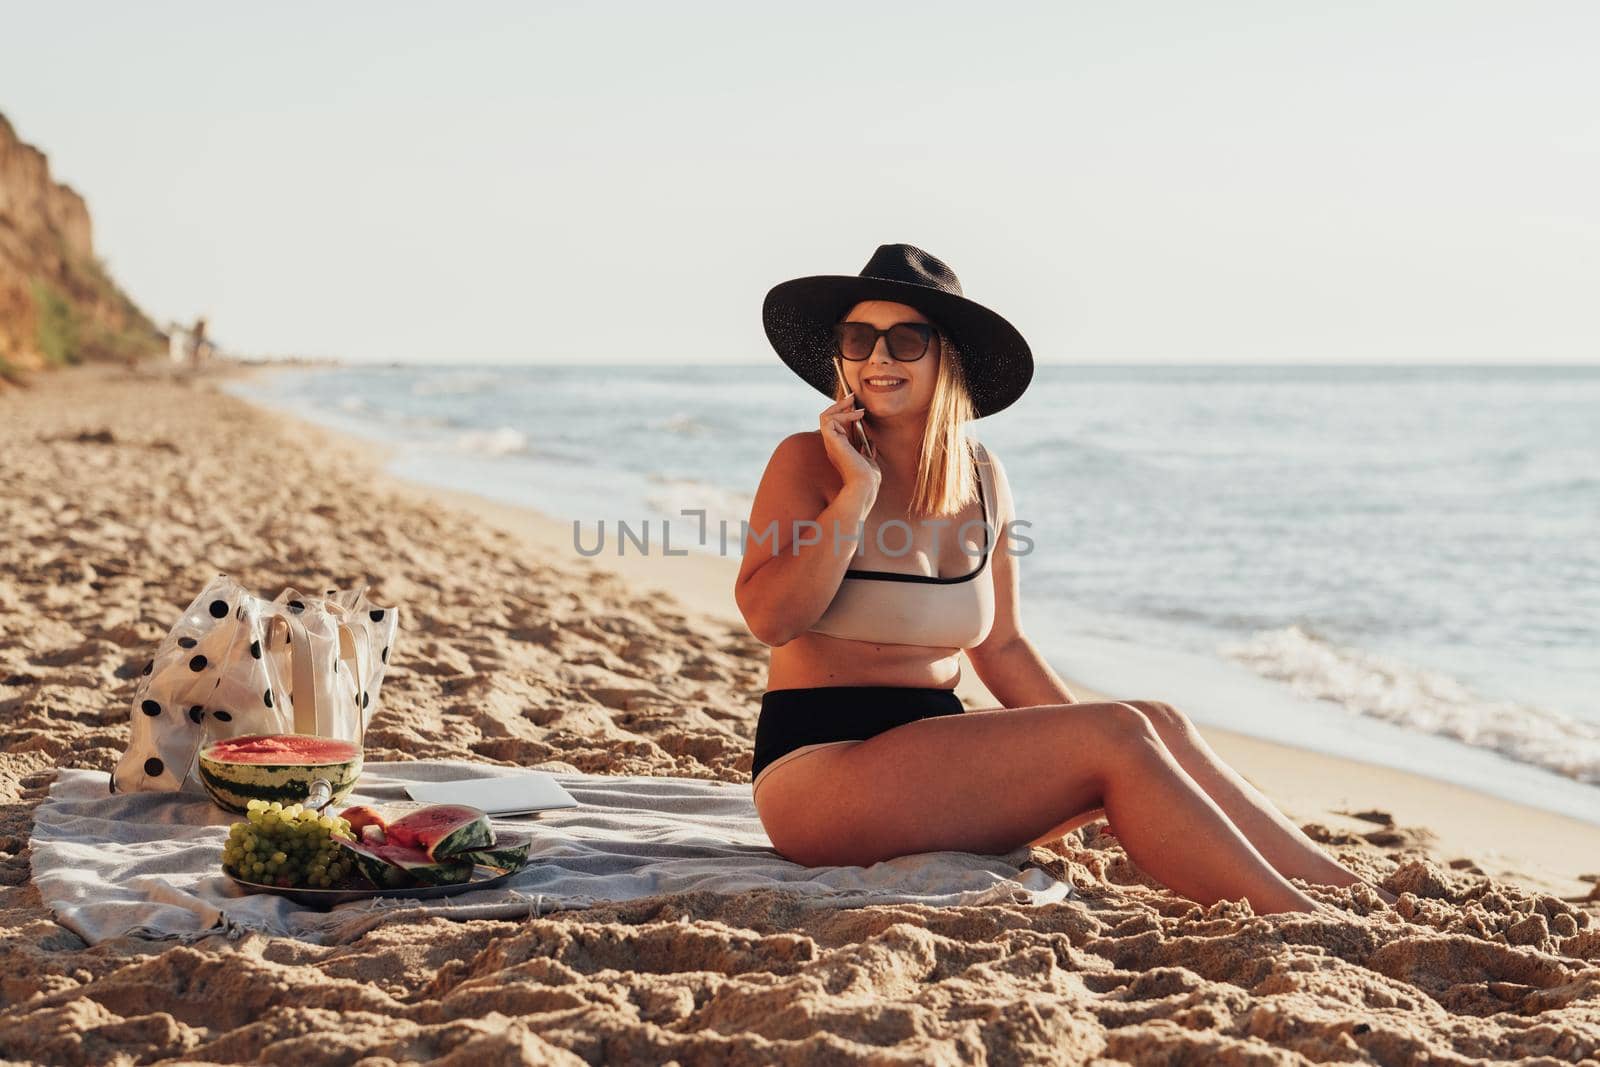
(859, 428)
(839, 421)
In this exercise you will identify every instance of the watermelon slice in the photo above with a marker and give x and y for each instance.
(509, 851)
(373, 867)
(442, 830)
(396, 866)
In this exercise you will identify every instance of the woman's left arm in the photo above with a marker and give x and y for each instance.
(1007, 661)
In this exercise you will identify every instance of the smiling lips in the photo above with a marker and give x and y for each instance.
(882, 385)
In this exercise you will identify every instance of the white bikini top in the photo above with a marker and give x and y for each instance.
(891, 608)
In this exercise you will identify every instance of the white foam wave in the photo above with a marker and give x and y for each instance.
(501, 441)
(1384, 688)
(675, 495)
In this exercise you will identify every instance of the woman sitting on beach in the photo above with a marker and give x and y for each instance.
(862, 749)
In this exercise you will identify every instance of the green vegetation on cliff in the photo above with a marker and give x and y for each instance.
(73, 316)
(58, 324)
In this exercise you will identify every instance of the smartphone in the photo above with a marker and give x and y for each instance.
(861, 431)
(855, 402)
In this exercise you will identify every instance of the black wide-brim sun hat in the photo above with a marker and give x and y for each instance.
(799, 316)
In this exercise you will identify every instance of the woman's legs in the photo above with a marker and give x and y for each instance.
(1280, 841)
(991, 781)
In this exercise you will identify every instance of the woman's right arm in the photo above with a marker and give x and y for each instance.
(785, 586)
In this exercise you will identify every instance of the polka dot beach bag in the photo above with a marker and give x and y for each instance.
(236, 664)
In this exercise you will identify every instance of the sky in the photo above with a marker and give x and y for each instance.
(1227, 182)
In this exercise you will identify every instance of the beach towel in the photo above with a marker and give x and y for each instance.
(148, 865)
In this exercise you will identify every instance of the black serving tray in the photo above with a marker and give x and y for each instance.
(482, 878)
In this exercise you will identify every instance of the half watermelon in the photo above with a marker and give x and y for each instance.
(281, 767)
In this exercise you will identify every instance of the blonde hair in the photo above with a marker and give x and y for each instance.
(947, 474)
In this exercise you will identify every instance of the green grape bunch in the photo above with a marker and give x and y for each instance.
(291, 847)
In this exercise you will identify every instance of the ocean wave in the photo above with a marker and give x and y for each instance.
(1384, 688)
(501, 441)
(673, 495)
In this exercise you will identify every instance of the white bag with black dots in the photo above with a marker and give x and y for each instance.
(236, 664)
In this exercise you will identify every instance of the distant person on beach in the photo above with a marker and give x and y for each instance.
(863, 752)
(197, 343)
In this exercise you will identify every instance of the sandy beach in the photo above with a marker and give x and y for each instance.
(123, 492)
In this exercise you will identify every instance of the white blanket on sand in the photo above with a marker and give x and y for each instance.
(148, 865)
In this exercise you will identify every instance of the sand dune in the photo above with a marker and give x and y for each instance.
(123, 495)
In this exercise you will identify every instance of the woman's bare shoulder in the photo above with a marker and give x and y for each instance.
(801, 453)
(800, 470)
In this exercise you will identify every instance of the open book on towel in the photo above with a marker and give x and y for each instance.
(527, 793)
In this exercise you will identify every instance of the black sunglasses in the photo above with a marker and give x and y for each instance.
(907, 341)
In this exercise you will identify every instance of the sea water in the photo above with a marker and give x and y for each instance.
(1396, 564)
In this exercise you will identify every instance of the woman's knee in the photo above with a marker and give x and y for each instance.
(1125, 721)
(1103, 737)
(1167, 720)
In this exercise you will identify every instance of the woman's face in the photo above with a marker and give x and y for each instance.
(886, 386)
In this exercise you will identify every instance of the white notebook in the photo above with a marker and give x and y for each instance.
(517, 794)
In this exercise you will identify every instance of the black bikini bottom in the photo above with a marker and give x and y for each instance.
(792, 718)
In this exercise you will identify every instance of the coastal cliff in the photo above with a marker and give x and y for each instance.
(58, 304)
